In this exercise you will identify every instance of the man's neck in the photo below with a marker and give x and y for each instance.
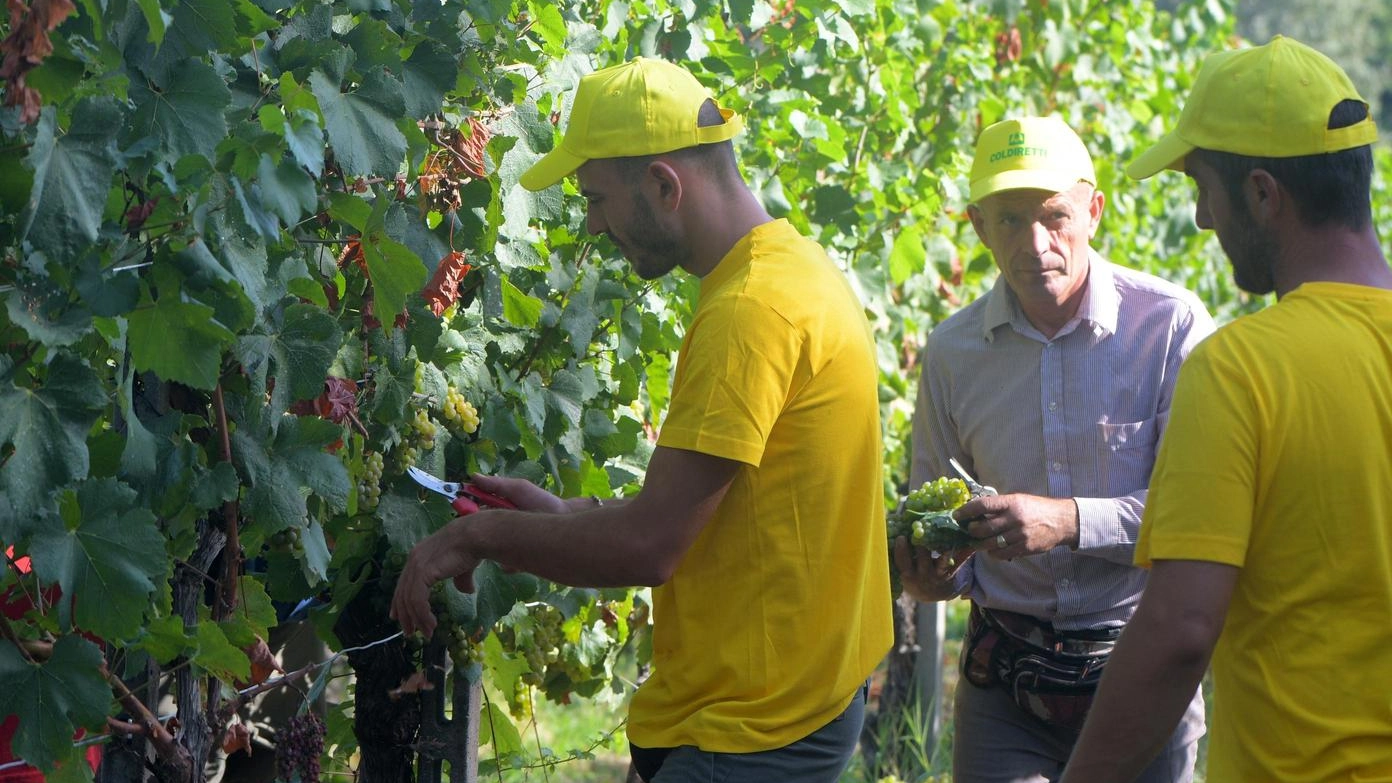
(723, 220)
(1331, 255)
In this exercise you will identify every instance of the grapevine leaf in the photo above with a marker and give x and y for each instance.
(187, 114)
(106, 563)
(178, 341)
(56, 697)
(305, 138)
(285, 189)
(219, 656)
(278, 469)
(580, 319)
(498, 592)
(156, 19)
(138, 456)
(362, 124)
(396, 272)
(907, 257)
(316, 553)
(254, 616)
(498, 730)
(406, 519)
(65, 210)
(44, 311)
(47, 427)
(520, 308)
(301, 352)
(165, 638)
(428, 74)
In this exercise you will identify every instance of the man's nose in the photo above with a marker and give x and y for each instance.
(595, 223)
(1040, 239)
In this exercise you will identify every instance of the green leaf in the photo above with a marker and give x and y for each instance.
(178, 341)
(547, 22)
(165, 638)
(44, 311)
(107, 564)
(907, 257)
(279, 469)
(395, 271)
(285, 189)
(186, 115)
(218, 656)
(428, 75)
(56, 697)
(298, 355)
(406, 519)
(65, 210)
(362, 124)
(138, 456)
(156, 19)
(47, 427)
(518, 307)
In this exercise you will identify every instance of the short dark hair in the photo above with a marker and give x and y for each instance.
(1328, 188)
(717, 159)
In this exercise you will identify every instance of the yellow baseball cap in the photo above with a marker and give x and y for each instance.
(1269, 101)
(642, 107)
(1038, 153)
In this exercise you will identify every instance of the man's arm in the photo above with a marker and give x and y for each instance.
(639, 542)
(1151, 676)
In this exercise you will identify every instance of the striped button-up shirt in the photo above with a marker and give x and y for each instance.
(1076, 416)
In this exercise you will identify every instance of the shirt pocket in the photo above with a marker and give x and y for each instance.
(1126, 455)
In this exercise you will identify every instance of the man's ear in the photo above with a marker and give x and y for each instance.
(1266, 201)
(667, 183)
(978, 222)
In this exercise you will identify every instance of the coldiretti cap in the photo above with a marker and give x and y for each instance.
(1270, 101)
(642, 107)
(1040, 153)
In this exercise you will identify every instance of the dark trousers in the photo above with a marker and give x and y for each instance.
(820, 757)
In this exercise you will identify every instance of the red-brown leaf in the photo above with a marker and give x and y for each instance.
(443, 288)
(415, 683)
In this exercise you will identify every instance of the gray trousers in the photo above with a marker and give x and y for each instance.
(994, 741)
(820, 757)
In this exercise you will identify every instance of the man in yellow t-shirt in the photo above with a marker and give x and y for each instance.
(1269, 526)
(761, 519)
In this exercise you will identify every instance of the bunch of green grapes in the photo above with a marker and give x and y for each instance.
(425, 428)
(460, 412)
(940, 494)
(370, 485)
(925, 518)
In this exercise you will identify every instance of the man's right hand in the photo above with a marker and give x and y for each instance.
(527, 496)
(927, 578)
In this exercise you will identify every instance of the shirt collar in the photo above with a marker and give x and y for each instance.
(1099, 307)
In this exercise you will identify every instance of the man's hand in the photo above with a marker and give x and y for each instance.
(441, 555)
(1025, 524)
(527, 496)
(927, 578)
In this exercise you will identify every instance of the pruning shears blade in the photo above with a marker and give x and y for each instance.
(975, 487)
(447, 488)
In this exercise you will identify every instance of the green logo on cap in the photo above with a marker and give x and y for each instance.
(1015, 148)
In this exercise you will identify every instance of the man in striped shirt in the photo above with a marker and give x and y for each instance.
(1053, 388)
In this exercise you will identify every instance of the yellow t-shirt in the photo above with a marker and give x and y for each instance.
(1278, 460)
(781, 608)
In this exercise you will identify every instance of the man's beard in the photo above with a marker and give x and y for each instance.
(652, 252)
(1253, 255)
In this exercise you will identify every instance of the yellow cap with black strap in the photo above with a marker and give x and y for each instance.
(642, 107)
(1269, 101)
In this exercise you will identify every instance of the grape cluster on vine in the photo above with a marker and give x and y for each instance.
(460, 412)
(298, 748)
(370, 486)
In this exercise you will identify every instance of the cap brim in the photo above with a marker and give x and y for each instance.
(1022, 179)
(1168, 153)
(555, 166)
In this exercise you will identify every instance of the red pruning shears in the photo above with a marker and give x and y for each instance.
(466, 498)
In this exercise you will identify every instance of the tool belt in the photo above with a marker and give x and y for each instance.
(1052, 675)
